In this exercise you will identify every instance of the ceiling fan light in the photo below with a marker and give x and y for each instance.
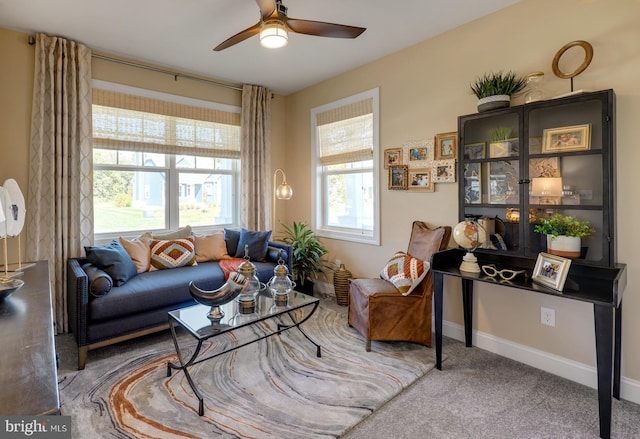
(273, 34)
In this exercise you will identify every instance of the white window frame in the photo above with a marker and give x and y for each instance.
(170, 169)
(318, 205)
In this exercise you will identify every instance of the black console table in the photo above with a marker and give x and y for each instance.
(29, 380)
(601, 286)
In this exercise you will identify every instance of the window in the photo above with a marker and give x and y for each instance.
(345, 154)
(159, 165)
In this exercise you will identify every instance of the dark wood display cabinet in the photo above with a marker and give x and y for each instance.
(520, 164)
(524, 163)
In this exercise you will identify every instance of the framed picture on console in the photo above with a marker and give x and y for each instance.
(551, 270)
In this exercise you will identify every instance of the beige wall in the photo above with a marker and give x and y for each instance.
(422, 91)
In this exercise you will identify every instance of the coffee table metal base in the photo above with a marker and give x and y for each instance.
(174, 319)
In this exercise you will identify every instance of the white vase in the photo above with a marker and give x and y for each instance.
(493, 102)
(565, 246)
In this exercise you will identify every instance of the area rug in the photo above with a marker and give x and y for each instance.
(275, 388)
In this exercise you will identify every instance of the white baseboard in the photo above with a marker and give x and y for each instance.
(563, 367)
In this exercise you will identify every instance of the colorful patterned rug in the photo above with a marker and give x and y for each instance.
(275, 388)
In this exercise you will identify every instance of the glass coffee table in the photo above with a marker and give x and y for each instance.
(297, 310)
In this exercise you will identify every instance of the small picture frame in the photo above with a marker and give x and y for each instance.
(472, 183)
(566, 139)
(443, 171)
(551, 270)
(398, 176)
(420, 180)
(418, 154)
(474, 151)
(446, 146)
(392, 157)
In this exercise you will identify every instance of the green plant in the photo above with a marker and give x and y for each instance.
(499, 134)
(492, 84)
(564, 225)
(307, 251)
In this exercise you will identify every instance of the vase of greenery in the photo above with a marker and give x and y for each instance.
(494, 90)
(307, 254)
(564, 234)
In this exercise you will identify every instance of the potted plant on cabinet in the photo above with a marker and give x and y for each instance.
(494, 90)
(307, 254)
(564, 234)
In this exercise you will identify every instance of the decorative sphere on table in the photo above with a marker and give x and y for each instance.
(469, 235)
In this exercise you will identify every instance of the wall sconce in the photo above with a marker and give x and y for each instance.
(273, 34)
(281, 192)
(547, 189)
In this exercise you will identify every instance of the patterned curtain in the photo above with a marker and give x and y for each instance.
(255, 122)
(60, 196)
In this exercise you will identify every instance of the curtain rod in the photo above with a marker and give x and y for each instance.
(175, 75)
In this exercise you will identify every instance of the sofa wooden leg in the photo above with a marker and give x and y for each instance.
(82, 356)
(368, 345)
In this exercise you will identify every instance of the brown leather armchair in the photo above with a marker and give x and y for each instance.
(379, 311)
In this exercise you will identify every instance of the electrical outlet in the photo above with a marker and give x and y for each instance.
(547, 316)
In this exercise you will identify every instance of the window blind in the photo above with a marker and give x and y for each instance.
(345, 133)
(135, 123)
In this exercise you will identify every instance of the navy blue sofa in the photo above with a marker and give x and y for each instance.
(140, 306)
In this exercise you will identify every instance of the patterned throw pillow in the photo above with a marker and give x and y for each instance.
(405, 272)
(172, 253)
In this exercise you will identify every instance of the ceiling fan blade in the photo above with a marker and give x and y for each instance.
(267, 7)
(322, 29)
(239, 37)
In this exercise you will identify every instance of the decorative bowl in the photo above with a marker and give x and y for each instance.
(9, 286)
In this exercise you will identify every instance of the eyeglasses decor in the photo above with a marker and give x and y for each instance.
(506, 274)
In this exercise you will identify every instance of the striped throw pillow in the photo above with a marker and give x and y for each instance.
(405, 272)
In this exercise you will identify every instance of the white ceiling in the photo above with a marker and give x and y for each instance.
(180, 34)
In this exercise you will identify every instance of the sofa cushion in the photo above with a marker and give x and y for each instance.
(211, 247)
(172, 253)
(114, 260)
(154, 290)
(138, 251)
(257, 243)
(405, 272)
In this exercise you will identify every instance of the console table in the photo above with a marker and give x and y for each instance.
(601, 286)
(29, 380)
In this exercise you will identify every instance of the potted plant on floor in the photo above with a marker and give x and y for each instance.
(307, 254)
(564, 234)
(494, 90)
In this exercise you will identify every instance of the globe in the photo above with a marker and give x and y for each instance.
(469, 235)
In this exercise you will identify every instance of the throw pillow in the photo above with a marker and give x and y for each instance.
(257, 243)
(172, 253)
(181, 233)
(405, 272)
(114, 260)
(211, 247)
(232, 237)
(100, 283)
(138, 251)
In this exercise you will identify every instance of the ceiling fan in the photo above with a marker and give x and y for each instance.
(274, 25)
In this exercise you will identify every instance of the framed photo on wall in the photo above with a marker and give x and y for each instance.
(392, 157)
(446, 146)
(398, 176)
(444, 171)
(418, 154)
(420, 180)
(551, 270)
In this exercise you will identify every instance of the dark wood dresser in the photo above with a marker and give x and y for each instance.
(28, 376)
